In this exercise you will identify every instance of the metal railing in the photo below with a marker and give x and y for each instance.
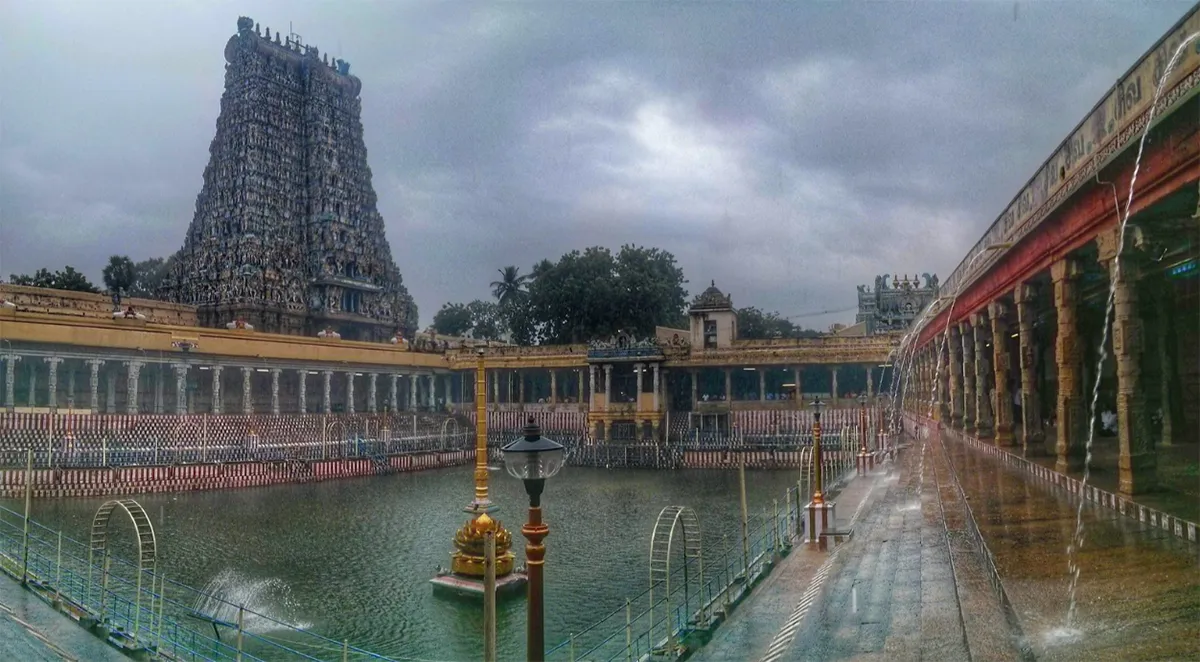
(151, 614)
(641, 630)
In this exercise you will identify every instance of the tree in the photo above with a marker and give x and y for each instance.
(487, 320)
(511, 285)
(119, 276)
(66, 279)
(482, 320)
(69, 279)
(148, 277)
(592, 294)
(41, 278)
(454, 319)
(754, 324)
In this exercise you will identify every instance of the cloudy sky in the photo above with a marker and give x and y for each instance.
(787, 150)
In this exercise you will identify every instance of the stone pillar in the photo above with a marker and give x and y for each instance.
(638, 369)
(1069, 358)
(968, 377)
(158, 388)
(181, 371)
(1137, 462)
(394, 396)
(33, 384)
(834, 395)
(983, 377)
(412, 392)
(110, 393)
(275, 390)
(1002, 401)
(762, 384)
(1168, 380)
(302, 387)
(71, 390)
(349, 391)
(247, 397)
(217, 398)
(870, 382)
(943, 379)
(728, 385)
(132, 377)
(432, 394)
(954, 350)
(326, 391)
(1032, 435)
(796, 375)
(52, 381)
(695, 377)
(553, 386)
(608, 383)
(448, 384)
(93, 382)
(654, 369)
(520, 386)
(371, 377)
(10, 380)
(579, 378)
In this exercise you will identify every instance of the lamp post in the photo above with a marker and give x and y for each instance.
(533, 459)
(816, 404)
(820, 513)
(864, 456)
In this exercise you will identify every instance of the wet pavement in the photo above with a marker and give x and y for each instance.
(1138, 594)
(910, 584)
(958, 556)
(32, 631)
(766, 620)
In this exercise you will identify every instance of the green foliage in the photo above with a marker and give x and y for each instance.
(66, 279)
(148, 277)
(453, 320)
(482, 320)
(119, 275)
(583, 296)
(511, 286)
(593, 294)
(754, 324)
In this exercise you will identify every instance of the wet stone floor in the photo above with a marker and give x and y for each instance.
(915, 582)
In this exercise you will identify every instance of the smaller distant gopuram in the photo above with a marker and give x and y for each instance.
(889, 308)
(286, 236)
(467, 561)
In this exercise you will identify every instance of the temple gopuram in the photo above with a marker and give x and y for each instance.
(891, 308)
(286, 236)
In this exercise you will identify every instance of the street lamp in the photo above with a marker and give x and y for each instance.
(864, 457)
(533, 459)
(816, 404)
(820, 513)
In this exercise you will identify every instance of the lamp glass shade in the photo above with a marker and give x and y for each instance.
(532, 464)
(532, 456)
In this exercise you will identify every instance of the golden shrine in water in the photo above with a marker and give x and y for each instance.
(468, 562)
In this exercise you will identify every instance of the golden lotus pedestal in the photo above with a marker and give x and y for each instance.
(465, 575)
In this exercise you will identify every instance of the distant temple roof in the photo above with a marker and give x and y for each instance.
(712, 299)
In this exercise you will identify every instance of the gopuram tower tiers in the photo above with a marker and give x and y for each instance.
(286, 236)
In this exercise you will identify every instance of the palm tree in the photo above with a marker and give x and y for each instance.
(511, 286)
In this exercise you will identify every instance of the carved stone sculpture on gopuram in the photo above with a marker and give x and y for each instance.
(286, 235)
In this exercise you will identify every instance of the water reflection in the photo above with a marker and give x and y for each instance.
(353, 558)
(1139, 588)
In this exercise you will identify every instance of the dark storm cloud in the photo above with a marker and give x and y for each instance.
(788, 151)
